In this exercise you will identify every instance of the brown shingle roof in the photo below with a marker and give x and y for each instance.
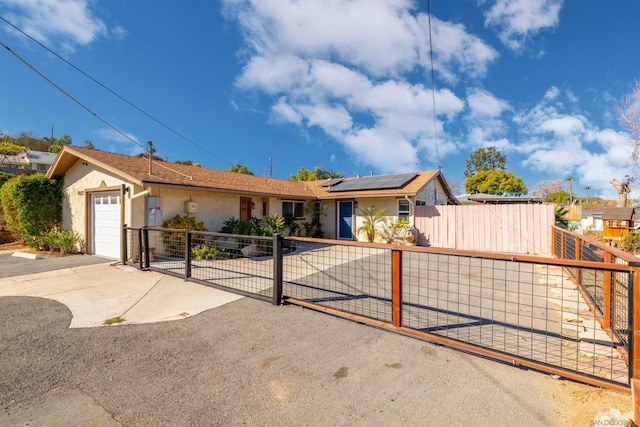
(136, 170)
(617, 214)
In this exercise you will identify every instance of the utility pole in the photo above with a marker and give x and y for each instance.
(270, 167)
(150, 152)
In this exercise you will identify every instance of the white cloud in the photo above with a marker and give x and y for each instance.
(66, 22)
(518, 20)
(111, 135)
(283, 112)
(326, 63)
(563, 143)
(485, 104)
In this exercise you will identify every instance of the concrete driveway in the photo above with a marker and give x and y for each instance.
(100, 291)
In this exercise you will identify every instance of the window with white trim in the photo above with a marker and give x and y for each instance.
(292, 208)
(404, 209)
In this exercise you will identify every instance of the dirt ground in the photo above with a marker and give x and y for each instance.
(579, 405)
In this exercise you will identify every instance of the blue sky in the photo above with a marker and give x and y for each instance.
(344, 85)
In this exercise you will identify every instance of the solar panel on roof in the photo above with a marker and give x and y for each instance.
(382, 182)
(332, 182)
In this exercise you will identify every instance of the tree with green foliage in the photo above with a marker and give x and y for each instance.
(238, 168)
(560, 197)
(371, 217)
(9, 148)
(59, 144)
(484, 159)
(497, 182)
(32, 206)
(313, 175)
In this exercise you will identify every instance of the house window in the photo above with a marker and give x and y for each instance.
(404, 209)
(623, 223)
(291, 208)
(421, 203)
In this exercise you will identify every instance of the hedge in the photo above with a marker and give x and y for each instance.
(32, 206)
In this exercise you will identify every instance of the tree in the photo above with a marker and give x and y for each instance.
(587, 188)
(630, 114)
(59, 143)
(570, 180)
(544, 188)
(331, 174)
(497, 182)
(484, 159)
(9, 148)
(559, 197)
(313, 175)
(88, 144)
(238, 168)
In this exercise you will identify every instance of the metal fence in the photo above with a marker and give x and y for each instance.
(531, 311)
(236, 263)
(609, 295)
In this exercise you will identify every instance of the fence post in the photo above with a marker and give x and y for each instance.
(607, 301)
(634, 350)
(562, 238)
(139, 248)
(277, 269)
(396, 288)
(187, 254)
(145, 246)
(124, 253)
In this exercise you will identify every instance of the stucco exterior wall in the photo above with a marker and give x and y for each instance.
(433, 193)
(79, 181)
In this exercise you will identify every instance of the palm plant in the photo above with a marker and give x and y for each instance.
(371, 217)
(561, 216)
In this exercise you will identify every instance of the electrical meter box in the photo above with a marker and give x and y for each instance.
(154, 211)
(191, 207)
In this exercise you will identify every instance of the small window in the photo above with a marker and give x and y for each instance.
(295, 209)
(421, 203)
(404, 209)
(623, 223)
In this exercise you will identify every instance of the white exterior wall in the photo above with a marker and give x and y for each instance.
(389, 204)
(433, 193)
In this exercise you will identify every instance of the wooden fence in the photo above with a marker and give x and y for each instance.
(517, 228)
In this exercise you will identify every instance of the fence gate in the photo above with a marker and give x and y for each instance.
(571, 316)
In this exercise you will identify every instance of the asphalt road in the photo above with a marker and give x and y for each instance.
(16, 266)
(249, 363)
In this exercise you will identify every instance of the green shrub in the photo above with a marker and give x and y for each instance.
(174, 242)
(32, 206)
(205, 251)
(632, 242)
(64, 241)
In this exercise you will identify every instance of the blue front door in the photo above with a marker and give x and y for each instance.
(345, 220)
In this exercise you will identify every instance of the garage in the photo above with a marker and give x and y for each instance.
(106, 224)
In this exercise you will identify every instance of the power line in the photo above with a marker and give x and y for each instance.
(433, 84)
(105, 87)
(51, 82)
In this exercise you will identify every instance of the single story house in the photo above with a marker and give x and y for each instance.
(106, 190)
(30, 162)
(617, 223)
(591, 220)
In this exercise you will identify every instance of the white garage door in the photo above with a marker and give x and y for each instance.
(106, 224)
